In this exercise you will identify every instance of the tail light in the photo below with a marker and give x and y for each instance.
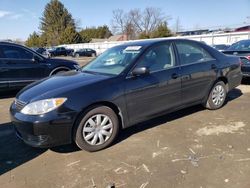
(248, 57)
(240, 62)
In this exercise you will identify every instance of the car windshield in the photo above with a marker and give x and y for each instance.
(240, 46)
(114, 60)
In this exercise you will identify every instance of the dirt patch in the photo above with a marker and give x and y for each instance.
(219, 129)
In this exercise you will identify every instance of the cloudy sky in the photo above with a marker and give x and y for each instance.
(19, 18)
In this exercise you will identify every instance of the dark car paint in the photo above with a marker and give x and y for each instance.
(85, 52)
(60, 51)
(135, 99)
(245, 67)
(17, 73)
(243, 54)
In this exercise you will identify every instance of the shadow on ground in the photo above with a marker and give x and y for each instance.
(245, 81)
(13, 151)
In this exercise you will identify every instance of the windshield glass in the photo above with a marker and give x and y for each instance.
(114, 60)
(240, 46)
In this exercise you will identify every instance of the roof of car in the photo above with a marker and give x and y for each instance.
(149, 42)
(10, 43)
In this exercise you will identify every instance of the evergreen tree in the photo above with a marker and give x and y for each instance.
(54, 22)
(161, 31)
(70, 36)
(34, 40)
(100, 32)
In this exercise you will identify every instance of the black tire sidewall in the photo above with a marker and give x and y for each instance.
(78, 137)
(210, 104)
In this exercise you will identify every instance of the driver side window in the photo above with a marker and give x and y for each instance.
(160, 57)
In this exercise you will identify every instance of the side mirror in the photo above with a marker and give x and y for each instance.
(36, 59)
(140, 71)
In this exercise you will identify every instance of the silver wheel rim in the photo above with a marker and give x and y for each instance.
(218, 95)
(97, 129)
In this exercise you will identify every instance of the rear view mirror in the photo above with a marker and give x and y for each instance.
(140, 71)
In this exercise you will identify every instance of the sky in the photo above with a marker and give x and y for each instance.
(19, 18)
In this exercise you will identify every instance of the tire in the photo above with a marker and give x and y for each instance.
(90, 135)
(217, 96)
(77, 55)
(93, 55)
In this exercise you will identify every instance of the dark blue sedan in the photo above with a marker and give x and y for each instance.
(125, 85)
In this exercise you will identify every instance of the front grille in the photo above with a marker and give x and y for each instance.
(19, 104)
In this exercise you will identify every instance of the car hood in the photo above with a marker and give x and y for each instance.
(59, 61)
(58, 84)
(236, 52)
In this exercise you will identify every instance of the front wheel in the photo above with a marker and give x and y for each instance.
(97, 129)
(217, 96)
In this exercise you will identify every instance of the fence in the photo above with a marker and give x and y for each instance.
(210, 39)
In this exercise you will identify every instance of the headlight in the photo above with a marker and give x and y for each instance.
(42, 106)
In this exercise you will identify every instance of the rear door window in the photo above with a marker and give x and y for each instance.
(13, 52)
(190, 53)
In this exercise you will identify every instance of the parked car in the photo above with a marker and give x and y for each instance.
(242, 50)
(85, 52)
(41, 51)
(220, 47)
(60, 51)
(19, 66)
(153, 77)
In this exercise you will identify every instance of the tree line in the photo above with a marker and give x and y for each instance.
(57, 26)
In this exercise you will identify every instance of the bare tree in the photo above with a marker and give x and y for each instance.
(121, 23)
(177, 26)
(136, 21)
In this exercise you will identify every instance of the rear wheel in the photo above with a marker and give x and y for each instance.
(217, 96)
(96, 129)
(77, 55)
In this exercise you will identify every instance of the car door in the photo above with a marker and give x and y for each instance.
(148, 95)
(22, 66)
(4, 78)
(84, 52)
(198, 71)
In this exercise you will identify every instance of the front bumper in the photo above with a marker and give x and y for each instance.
(48, 130)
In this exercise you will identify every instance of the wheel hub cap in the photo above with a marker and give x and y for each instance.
(97, 129)
(218, 95)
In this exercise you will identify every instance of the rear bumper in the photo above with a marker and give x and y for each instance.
(246, 74)
(234, 80)
(45, 131)
(245, 70)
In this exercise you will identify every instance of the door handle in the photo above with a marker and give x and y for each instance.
(213, 66)
(175, 76)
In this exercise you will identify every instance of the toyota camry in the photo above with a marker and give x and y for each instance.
(146, 79)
